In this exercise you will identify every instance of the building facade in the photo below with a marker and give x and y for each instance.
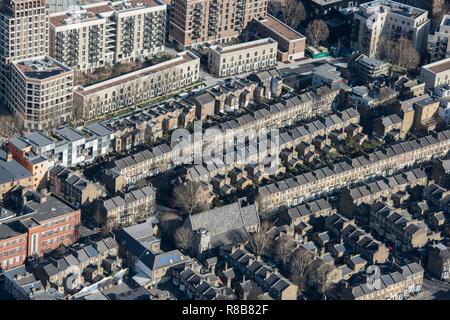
(231, 60)
(68, 146)
(101, 99)
(291, 44)
(127, 208)
(48, 223)
(41, 92)
(108, 33)
(20, 19)
(391, 20)
(198, 21)
(436, 73)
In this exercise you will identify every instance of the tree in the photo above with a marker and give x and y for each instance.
(191, 197)
(317, 32)
(295, 13)
(10, 125)
(273, 7)
(283, 249)
(254, 292)
(184, 238)
(320, 277)
(299, 262)
(440, 8)
(408, 58)
(259, 242)
(401, 54)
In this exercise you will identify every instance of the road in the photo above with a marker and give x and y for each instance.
(433, 290)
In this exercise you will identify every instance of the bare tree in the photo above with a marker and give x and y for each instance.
(259, 242)
(283, 249)
(401, 53)
(273, 7)
(408, 58)
(317, 32)
(191, 197)
(440, 8)
(300, 260)
(320, 277)
(295, 13)
(10, 125)
(254, 292)
(184, 238)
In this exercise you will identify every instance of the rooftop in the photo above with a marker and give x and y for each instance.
(281, 28)
(439, 66)
(41, 68)
(242, 46)
(182, 58)
(380, 6)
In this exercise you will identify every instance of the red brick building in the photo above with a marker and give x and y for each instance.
(213, 21)
(291, 44)
(46, 223)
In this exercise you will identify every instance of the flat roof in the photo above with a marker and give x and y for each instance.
(41, 68)
(183, 57)
(439, 66)
(378, 6)
(281, 28)
(242, 46)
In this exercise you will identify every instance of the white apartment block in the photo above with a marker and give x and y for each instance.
(390, 19)
(108, 33)
(438, 43)
(98, 100)
(251, 56)
(436, 73)
(40, 92)
(442, 94)
(68, 146)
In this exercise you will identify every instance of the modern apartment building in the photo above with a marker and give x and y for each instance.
(98, 100)
(438, 43)
(23, 35)
(436, 74)
(391, 20)
(40, 92)
(36, 88)
(291, 44)
(108, 33)
(225, 61)
(68, 146)
(321, 8)
(213, 21)
(46, 223)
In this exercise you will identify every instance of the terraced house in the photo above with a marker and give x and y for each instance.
(292, 190)
(127, 208)
(98, 100)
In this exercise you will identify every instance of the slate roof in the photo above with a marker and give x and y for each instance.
(223, 222)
